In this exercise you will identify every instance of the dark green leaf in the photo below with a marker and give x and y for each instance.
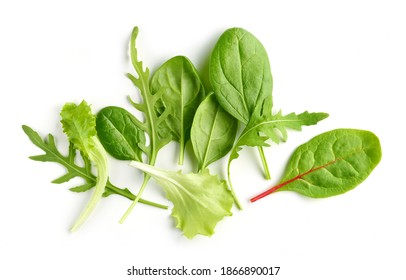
(120, 133)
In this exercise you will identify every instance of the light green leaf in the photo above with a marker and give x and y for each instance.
(200, 200)
(79, 124)
(213, 132)
(330, 164)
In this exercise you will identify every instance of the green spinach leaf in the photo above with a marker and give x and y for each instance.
(120, 134)
(213, 132)
(181, 90)
(330, 164)
(240, 73)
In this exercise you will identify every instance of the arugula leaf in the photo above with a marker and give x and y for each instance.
(200, 200)
(73, 170)
(264, 126)
(213, 132)
(330, 164)
(182, 91)
(152, 120)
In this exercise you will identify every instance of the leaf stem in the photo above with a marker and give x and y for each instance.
(268, 192)
(137, 198)
(237, 202)
(132, 196)
(181, 152)
(264, 163)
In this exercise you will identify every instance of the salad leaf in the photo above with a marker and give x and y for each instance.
(73, 170)
(264, 126)
(79, 124)
(213, 132)
(120, 134)
(182, 91)
(240, 73)
(241, 77)
(330, 164)
(200, 200)
(152, 120)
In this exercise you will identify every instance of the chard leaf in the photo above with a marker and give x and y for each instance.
(200, 200)
(240, 73)
(330, 164)
(213, 132)
(181, 89)
(120, 133)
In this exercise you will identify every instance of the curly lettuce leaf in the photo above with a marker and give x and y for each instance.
(200, 200)
(79, 124)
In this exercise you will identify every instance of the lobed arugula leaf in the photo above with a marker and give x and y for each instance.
(73, 170)
(200, 200)
(330, 164)
(264, 126)
(153, 119)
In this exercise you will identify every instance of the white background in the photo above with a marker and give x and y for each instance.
(346, 58)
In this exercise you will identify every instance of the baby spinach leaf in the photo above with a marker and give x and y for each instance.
(181, 89)
(330, 164)
(240, 73)
(213, 132)
(120, 134)
(200, 200)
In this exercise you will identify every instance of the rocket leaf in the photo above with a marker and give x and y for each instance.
(200, 200)
(73, 169)
(330, 164)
